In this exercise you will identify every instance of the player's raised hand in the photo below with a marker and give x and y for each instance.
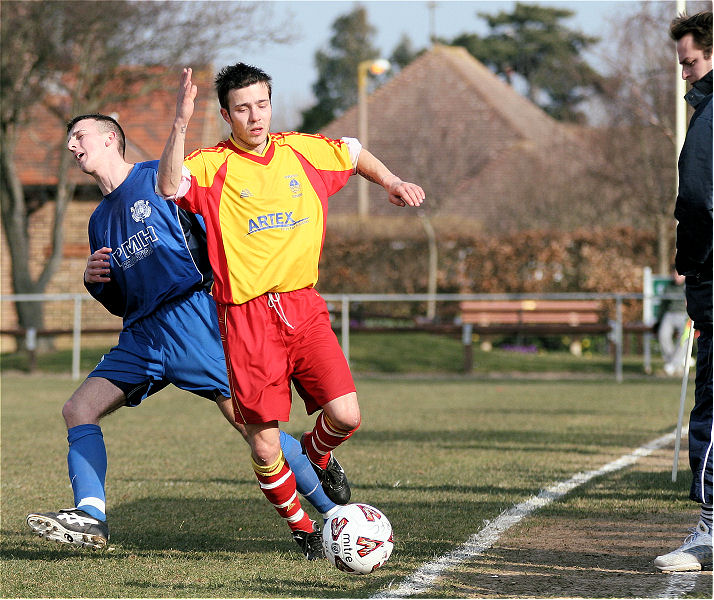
(403, 193)
(185, 98)
(97, 270)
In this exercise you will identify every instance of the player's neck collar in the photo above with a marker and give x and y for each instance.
(262, 158)
(241, 148)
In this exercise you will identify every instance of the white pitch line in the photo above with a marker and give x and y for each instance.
(679, 584)
(423, 578)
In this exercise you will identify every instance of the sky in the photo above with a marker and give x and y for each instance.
(292, 66)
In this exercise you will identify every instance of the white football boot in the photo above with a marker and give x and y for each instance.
(695, 552)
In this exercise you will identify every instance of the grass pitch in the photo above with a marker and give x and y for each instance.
(438, 455)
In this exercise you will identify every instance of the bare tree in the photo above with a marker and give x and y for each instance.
(89, 53)
(639, 154)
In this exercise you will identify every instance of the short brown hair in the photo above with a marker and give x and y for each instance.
(699, 25)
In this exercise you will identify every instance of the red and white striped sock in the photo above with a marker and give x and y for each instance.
(323, 439)
(277, 482)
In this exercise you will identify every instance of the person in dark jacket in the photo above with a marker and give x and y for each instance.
(693, 212)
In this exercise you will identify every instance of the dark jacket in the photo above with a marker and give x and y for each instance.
(693, 210)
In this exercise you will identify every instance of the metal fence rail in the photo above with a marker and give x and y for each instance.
(346, 300)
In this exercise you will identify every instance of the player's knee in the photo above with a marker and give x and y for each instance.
(264, 454)
(264, 445)
(74, 413)
(68, 412)
(77, 411)
(346, 420)
(349, 422)
(344, 412)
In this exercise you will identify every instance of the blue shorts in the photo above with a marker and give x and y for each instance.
(179, 343)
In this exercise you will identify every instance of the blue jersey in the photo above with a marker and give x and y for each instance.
(158, 250)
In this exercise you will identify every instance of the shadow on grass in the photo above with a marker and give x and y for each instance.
(640, 490)
(272, 587)
(525, 440)
(243, 527)
(21, 545)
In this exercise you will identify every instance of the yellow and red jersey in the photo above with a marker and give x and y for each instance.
(265, 213)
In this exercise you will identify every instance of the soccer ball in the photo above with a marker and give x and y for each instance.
(357, 539)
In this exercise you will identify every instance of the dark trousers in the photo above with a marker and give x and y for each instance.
(700, 423)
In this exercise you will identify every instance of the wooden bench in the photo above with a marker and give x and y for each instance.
(530, 317)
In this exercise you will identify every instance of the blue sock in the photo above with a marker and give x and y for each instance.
(87, 463)
(306, 479)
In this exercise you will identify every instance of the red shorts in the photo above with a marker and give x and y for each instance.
(274, 339)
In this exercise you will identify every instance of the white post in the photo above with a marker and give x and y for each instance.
(363, 134)
(376, 67)
(647, 316)
(619, 339)
(682, 397)
(346, 327)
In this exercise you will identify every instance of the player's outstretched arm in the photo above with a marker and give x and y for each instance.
(171, 163)
(401, 193)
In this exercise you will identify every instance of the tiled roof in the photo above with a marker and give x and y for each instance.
(146, 120)
(449, 124)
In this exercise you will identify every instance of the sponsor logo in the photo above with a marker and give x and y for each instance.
(279, 220)
(246, 193)
(141, 211)
(135, 248)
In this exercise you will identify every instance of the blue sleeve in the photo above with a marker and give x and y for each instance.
(109, 296)
(194, 230)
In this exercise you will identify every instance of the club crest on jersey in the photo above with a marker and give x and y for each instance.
(141, 210)
(279, 220)
(295, 186)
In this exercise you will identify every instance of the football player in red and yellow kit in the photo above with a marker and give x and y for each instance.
(264, 198)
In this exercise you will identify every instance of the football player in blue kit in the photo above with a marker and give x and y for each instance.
(149, 264)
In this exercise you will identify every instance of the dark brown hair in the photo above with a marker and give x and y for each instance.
(699, 25)
(235, 77)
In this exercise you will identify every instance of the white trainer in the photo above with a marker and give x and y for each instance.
(695, 552)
